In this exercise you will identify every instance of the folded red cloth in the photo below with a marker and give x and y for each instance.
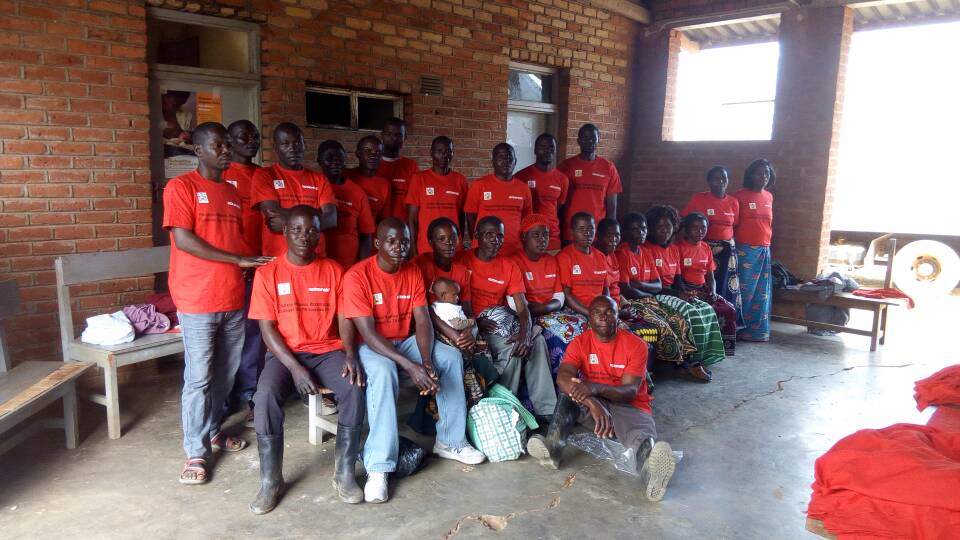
(941, 388)
(891, 292)
(946, 418)
(164, 303)
(902, 481)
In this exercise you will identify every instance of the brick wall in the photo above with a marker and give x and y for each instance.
(74, 112)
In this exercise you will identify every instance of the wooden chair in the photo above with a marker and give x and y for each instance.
(31, 386)
(93, 267)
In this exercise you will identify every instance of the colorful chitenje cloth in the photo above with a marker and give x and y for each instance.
(704, 328)
(673, 340)
(755, 291)
(726, 275)
(941, 388)
(559, 329)
(889, 292)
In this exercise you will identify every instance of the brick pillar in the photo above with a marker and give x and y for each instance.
(814, 44)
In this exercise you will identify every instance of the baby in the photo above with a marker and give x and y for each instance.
(447, 307)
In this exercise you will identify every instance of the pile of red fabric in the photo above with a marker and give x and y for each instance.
(890, 292)
(941, 388)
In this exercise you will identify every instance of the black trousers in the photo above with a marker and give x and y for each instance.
(276, 384)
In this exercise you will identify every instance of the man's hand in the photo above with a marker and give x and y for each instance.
(304, 382)
(486, 325)
(467, 243)
(352, 372)
(426, 380)
(521, 347)
(464, 340)
(628, 312)
(602, 419)
(579, 391)
(275, 220)
(253, 262)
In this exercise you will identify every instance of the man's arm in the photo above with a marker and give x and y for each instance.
(423, 329)
(188, 241)
(537, 309)
(471, 219)
(302, 378)
(569, 384)
(573, 302)
(328, 216)
(611, 205)
(273, 215)
(368, 331)
(463, 339)
(351, 368)
(648, 288)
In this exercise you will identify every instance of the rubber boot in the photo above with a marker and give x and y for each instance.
(345, 457)
(549, 449)
(271, 473)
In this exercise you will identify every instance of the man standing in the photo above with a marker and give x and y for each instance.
(350, 240)
(548, 185)
(438, 192)
(295, 300)
(594, 181)
(205, 220)
(395, 168)
(501, 195)
(383, 296)
(286, 184)
(613, 389)
(369, 153)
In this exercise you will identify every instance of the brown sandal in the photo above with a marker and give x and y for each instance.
(227, 443)
(194, 472)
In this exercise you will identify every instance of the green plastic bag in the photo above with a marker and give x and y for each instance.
(497, 425)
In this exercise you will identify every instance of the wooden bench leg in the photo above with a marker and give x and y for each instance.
(70, 415)
(875, 331)
(319, 427)
(883, 325)
(112, 400)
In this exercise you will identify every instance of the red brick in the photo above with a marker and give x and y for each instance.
(10, 162)
(87, 76)
(118, 8)
(26, 234)
(47, 103)
(76, 175)
(66, 89)
(14, 250)
(69, 205)
(50, 162)
(24, 147)
(124, 51)
(88, 105)
(21, 87)
(10, 102)
(24, 177)
(69, 118)
(71, 148)
(48, 191)
(24, 205)
(113, 204)
(115, 230)
(93, 190)
(54, 248)
(23, 264)
(40, 12)
(92, 134)
(21, 117)
(51, 219)
(65, 29)
(62, 59)
(45, 73)
(97, 217)
(112, 149)
(23, 56)
(96, 244)
(13, 220)
(73, 232)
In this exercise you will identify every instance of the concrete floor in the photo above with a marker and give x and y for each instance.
(749, 441)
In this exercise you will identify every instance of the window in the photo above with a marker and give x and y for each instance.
(531, 108)
(212, 44)
(351, 109)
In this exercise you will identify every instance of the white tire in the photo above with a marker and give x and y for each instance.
(926, 268)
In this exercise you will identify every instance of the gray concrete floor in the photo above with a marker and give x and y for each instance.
(749, 440)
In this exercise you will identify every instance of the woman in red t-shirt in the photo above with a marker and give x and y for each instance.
(696, 276)
(705, 329)
(753, 236)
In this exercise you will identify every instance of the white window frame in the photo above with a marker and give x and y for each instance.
(354, 96)
(536, 106)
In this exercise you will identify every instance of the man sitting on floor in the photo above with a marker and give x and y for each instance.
(295, 299)
(611, 386)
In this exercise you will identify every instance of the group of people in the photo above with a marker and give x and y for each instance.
(289, 279)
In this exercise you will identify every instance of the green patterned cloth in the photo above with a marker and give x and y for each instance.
(497, 423)
(704, 327)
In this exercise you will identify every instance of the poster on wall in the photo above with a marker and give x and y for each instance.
(182, 111)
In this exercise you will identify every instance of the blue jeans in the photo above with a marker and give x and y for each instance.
(211, 352)
(380, 450)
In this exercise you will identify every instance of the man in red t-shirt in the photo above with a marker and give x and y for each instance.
(438, 192)
(350, 240)
(501, 195)
(603, 372)
(548, 184)
(384, 296)
(594, 181)
(396, 168)
(369, 154)
(286, 184)
(205, 220)
(295, 301)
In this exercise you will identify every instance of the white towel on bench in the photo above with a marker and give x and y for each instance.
(108, 329)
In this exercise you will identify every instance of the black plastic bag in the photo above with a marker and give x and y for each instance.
(410, 459)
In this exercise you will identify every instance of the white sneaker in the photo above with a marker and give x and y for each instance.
(657, 471)
(375, 490)
(467, 454)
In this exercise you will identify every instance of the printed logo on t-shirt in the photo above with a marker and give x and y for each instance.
(515, 197)
(487, 195)
(348, 203)
(600, 175)
(401, 180)
(318, 289)
(633, 270)
(711, 212)
(497, 281)
(377, 299)
(529, 276)
(578, 173)
(558, 188)
(576, 270)
(532, 184)
(430, 191)
(549, 276)
(202, 197)
(454, 193)
(233, 204)
(688, 261)
(594, 360)
(753, 206)
(233, 183)
(308, 186)
(278, 184)
(404, 296)
(618, 366)
(658, 262)
(283, 289)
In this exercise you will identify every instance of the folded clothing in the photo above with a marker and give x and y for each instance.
(890, 292)
(146, 319)
(164, 303)
(941, 388)
(901, 481)
(108, 329)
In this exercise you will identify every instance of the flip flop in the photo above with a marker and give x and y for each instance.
(227, 443)
(198, 466)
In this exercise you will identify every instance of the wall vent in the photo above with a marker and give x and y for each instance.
(431, 85)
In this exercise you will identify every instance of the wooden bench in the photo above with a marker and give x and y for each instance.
(30, 387)
(94, 267)
(879, 306)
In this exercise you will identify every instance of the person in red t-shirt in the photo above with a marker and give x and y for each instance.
(501, 195)
(753, 236)
(295, 301)
(286, 184)
(204, 217)
(440, 262)
(504, 320)
(603, 372)
(548, 185)
(350, 240)
(369, 153)
(594, 181)
(396, 168)
(438, 192)
(583, 269)
(383, 296)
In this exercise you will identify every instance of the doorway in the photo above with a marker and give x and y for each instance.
(531, 108)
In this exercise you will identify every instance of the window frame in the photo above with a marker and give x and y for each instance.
(354, 96)
(536, 106)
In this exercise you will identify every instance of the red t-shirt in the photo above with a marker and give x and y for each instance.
(756, 217)
(585, 273)
(510, 201)
(492, 281)
(241, 177)
(541, 278)
(635, 266)
(390, 299)
(666, 260)
(353, 219)
(606, 363)
(549, 191)
(399, 172)
(289, 188)
(722, 214)
(436, 196)
(613, 271)
(377, 189)
(590, 184)
(212, 211)
(695, 261)
(458, 272)
(303, 302)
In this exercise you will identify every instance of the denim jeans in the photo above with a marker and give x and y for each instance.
(211, 352)
(380, 450)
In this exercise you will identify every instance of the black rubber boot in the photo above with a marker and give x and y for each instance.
(345, 457)
(549, 449)
(271, 473)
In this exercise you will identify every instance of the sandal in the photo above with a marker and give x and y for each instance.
(227, 443)
(194, 472)
(698, 372)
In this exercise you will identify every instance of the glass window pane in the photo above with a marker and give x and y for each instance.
(373, 113)
(192, 45)
(332, 110)
(526, 86)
